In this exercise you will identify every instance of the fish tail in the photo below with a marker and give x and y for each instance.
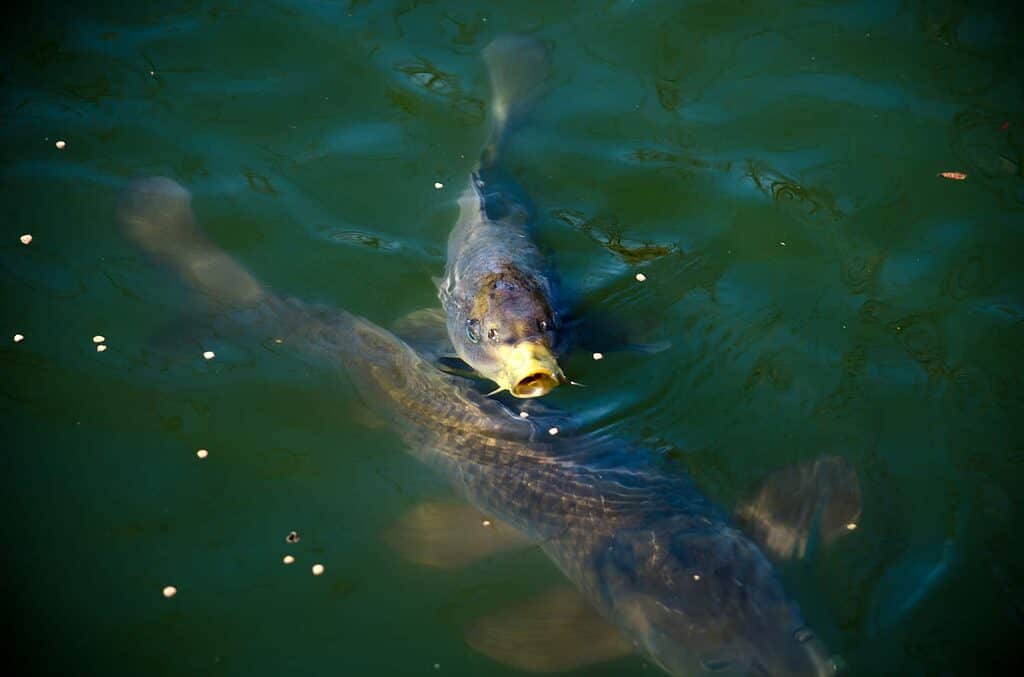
(518, 66)
(156, 213)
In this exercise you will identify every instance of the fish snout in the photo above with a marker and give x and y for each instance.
(531, 370)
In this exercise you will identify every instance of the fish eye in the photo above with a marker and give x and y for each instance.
(492, 333)
(473, 330)
(543, 325)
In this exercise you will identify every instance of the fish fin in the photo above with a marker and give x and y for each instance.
(595, 333)
(652, 348)
(156, 213)
(555, 632)
(518, 67)
(426, 330)
(794, 507)
(453, 364)
(450, 535)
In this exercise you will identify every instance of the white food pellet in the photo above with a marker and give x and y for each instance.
(61, 145)
(598, 356)
(18, 338)
(98, 339)
(782, 244)
(552, 431)
(640, 277)
(170, 591)
(209, 355)
(202, 453)
(524, 414)
(851, 526)
(486, 523)
(26, 238)
(696, 577)
(288, 559)
(101, 347)
(318, 569)
(438, 185)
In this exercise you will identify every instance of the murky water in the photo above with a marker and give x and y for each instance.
(773, 171)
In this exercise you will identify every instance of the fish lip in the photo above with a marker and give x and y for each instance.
(536, 384)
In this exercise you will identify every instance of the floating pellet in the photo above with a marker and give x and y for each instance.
(598, 356)
(101, 348)
(288, 559)
(292, 537)
(26, 238)
(438, 185)
(61, 145)
(98, 339)
(486, 523)
(18, 338)
(202, 453)
(318, 569)
(851, 526)
(170, 591)
(524, 414)
(640, 277)
(209, 355)
(552, 430)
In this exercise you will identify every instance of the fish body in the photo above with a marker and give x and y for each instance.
(648, 551)
(498, 299)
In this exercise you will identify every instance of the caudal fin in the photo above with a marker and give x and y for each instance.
(519, 67)
(156, 213)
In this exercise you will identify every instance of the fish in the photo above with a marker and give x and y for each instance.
(653, 563)
(499, 301)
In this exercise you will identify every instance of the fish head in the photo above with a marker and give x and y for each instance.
(706, 601)
(508, 333)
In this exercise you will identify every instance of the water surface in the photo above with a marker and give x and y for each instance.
(772, 168)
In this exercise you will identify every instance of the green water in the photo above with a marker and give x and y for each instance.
(772, 169)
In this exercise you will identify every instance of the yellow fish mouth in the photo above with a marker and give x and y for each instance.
(529, 370)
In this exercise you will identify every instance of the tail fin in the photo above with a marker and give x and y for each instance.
(157, 214)
(518, 67)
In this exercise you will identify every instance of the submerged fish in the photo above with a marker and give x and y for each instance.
(497, 297)
(649, 553)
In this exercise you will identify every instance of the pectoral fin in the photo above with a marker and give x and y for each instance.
(817, 500)
(451, 535)
(426, 330)
(556, 632)
(596, 333)
(452, 364)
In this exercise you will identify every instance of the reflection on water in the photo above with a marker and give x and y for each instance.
(774, 172)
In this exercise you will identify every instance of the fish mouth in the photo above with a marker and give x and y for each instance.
(530, 370)
(535, 385)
